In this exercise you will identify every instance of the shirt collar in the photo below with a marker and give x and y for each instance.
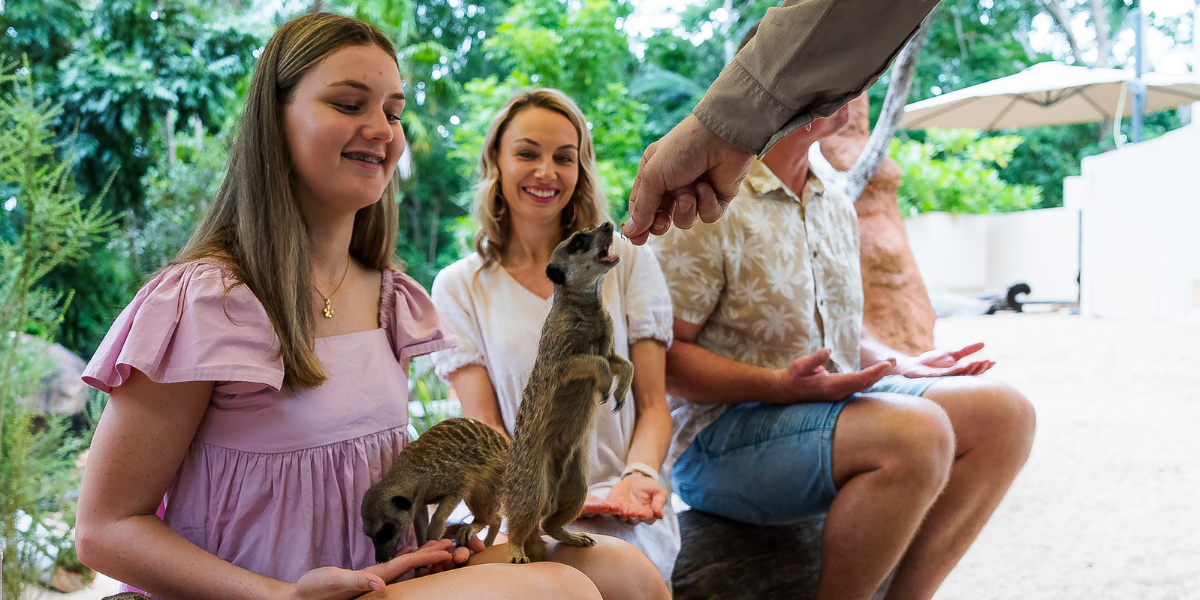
(762, 181)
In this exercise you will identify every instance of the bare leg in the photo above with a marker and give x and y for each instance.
(891, 458)
(617, 568)
(994, 426)
(498, 581)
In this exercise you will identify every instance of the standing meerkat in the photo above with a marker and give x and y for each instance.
(546, 480)
(457, 459)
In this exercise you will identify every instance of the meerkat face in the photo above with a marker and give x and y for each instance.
(386, 519)
(582, 259)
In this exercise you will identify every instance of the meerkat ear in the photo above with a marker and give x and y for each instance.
(556, 274)
(401, 503)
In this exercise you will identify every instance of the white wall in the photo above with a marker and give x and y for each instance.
(951, 250)
(975, 253)
(1141, 228)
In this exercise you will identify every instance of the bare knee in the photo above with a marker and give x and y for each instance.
(920, 445)
(1007, 417)
(619, 569)
(554, 580)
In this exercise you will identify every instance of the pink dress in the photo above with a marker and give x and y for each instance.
(272, 481)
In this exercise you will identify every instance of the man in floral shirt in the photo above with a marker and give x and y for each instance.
(784, 410)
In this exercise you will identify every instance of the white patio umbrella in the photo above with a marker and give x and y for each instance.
(1049, 93)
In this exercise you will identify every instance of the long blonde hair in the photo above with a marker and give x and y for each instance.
(588, 206)
(255, 226)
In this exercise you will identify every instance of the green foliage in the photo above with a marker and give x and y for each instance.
(139, 59)
(576, 49)
(48, 226)
(956, 171)
(429, 398)
(130, 63)
(972, 42)
(178, 193)
(42, 32)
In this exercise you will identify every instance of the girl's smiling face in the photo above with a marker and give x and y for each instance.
(343, 131)
(538, 159)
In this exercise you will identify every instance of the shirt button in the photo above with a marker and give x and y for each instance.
(814, 253)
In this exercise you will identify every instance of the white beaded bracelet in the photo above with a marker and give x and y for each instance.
(643, 468)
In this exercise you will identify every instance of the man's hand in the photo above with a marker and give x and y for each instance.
(690, 171)
(639, 497)
(944, 363)
(807, 380)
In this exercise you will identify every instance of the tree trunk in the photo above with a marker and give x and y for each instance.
(893, 108)
(1063, 17)
(1103, 41)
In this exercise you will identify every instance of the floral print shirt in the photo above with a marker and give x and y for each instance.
(776, 278)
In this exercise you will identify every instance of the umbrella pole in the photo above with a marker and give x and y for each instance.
(1139, 88)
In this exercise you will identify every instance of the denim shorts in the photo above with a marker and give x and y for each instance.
(770, 464)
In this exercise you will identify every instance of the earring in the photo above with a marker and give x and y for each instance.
(501, 209)
(808, 127)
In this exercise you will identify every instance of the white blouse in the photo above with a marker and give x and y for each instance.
(499, 323)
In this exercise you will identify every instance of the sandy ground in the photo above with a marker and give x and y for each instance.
(1108, 506)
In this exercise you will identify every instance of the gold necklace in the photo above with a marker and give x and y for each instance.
(328, 311)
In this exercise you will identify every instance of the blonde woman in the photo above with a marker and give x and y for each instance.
(538, 185)
(258, 385)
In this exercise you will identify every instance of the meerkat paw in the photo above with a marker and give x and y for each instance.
(581, 540)
(466, 532)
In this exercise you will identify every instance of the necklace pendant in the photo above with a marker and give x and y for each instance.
(328, 312)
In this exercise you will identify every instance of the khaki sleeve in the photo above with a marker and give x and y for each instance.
(808, 58)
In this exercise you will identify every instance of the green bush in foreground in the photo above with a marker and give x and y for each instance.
(45, 224)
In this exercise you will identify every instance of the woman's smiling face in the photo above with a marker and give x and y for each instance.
(539, 164)
(343, 130)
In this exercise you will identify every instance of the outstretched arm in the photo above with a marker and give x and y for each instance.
(641, 497)
(701, 376)
(477, 396)
(935, 363)
(807, 60)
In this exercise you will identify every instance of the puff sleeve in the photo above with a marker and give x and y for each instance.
(189, 324)
(452, 296)
(412, 322)
(647, 300)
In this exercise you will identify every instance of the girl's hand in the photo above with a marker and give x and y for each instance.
(458, 557)
(639, 498)
(332, 583)
(594, 506)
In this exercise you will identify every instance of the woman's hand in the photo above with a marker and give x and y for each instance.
(640, 499)
(332, 583)
(594, 506)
